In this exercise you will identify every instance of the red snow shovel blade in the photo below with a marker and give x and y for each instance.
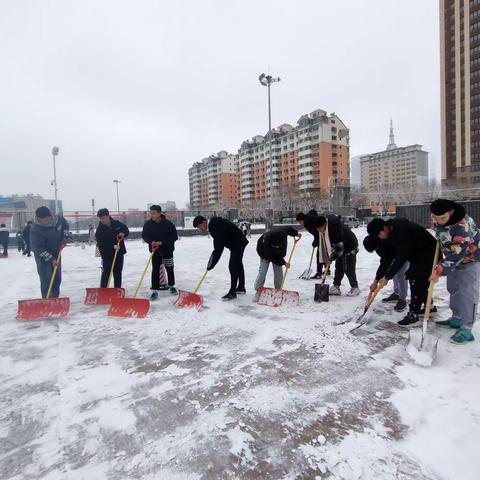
(102, 296)
(43, 308)
(188, 299)
(276, 297)
(129, 307)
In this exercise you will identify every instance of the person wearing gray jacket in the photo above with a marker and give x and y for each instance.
(47, 238)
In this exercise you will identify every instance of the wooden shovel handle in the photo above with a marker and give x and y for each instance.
(428, 303)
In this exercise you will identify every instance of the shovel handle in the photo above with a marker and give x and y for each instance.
(428, 303)
(113, 262)
(54, 273)
(201, 281)
(289, 260)
(154, 249)
(371, 298)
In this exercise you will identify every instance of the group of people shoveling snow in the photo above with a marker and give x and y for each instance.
(406, 250)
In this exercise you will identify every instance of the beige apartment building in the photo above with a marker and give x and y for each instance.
(460, 89)
(394, 168)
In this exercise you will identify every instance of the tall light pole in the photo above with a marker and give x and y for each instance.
(118, 199)
(266, 81)
(55, 151)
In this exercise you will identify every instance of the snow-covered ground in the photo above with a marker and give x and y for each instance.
(236, 391)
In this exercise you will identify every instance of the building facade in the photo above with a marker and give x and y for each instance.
(460, 90)
(214, 181)
(307, 158)
(394, 168)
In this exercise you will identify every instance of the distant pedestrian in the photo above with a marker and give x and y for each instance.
(26, 238)
(91, 233)
(4, 239)
(20, 242)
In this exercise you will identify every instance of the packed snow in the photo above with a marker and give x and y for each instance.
(235, 391)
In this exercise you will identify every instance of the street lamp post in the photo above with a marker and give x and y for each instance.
(266, 81)
(55, 151)
(118, 198)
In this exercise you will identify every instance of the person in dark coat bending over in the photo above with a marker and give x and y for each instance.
(110, 236)
(272, 248)
(413, 243)
(161, 235)
(226, 234)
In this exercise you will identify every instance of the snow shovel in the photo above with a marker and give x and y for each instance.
(131, 306)
(275, 297)
(44, 307)
(420, 346)
(191, 299)
(361, 320)
(308, 272)
(104, 296)
(322, 290)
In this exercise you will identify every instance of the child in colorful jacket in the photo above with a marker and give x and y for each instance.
(459, 240)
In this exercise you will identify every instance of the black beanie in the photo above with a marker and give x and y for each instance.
(376, 226)
(43, 212)
(300, 216)
(198, 220)
(370, 243)
(156, 208)
(442, 206)
(103, 212)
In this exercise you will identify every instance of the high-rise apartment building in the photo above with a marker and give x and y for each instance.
(310, 157)
(214, 181)
(305, 158)
(394, 167)
(460, 89)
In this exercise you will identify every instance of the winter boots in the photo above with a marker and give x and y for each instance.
(409, 319)
(393, 297)
(400, 306)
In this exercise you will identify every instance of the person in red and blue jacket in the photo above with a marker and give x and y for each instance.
(459, 240)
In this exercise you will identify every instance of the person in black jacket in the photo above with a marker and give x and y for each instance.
(48, 237)
(4, 239)
(26, 238)
(111, 236)
(226, 234)
(384, 250)
(161, 235)
(20, 242)
(412, 243)
(339, 244)
(272, 248)
(309, 221)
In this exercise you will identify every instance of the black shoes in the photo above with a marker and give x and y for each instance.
(241, 290)
(409, 319)
(433, 309)
(400, 306)
(229, 296)
(391, 298)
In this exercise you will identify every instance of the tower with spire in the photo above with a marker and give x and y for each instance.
(391, 139)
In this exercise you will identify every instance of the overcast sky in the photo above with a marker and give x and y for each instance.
(138, 90)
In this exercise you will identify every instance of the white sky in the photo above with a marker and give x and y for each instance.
(139, 90)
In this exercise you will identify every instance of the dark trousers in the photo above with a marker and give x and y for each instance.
(157, 260)
(20, 245)
(5, 247)
(27, 248)
(418, 275)
(117, 271)
(45, 271)
(345, 265)
(237, 272)
(320, 265)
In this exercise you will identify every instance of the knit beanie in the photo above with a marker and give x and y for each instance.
(43, 212)
(442, 206)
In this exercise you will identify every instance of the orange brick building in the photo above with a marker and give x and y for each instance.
(305, 158)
